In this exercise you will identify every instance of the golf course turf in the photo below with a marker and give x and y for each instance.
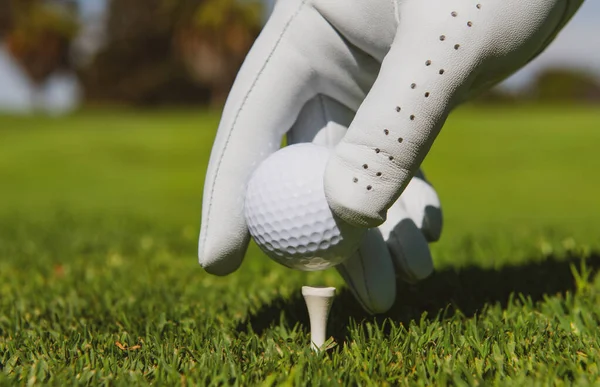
(99, 281)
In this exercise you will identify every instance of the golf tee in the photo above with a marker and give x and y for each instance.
(318, 303)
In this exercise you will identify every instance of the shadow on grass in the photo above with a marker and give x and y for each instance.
(467, 290)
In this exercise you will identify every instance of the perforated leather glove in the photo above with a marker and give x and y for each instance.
(402, 66)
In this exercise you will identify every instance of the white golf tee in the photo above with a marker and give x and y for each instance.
(318, 303)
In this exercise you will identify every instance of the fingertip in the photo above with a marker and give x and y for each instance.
(353, 196)
(410, 252)
(369, 274)
(219, 268)
(221, 260)
(407, 245)
(433, 222)
(423, 206)
(375, 301)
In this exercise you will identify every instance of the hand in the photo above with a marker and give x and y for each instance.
(399, 247)
(402, 66)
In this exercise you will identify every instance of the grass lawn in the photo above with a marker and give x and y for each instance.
(99, 282)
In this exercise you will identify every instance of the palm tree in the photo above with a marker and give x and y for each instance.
(39, 35)
(213, 42)
(6, 14)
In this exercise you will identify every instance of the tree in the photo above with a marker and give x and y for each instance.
(495, 96)
(6, 15)
(38, 35)
(170, 51)
(215, 40)
(560, 85)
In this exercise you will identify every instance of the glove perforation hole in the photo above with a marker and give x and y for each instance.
(398, 108)
(365, 166)
(427, 95)
(412, 117)
(400, 139)
(377, 150)
(456, 46)
(369, 188)
(443, 37)
(478, 6)
(442, 71)
(427, 63)
(413, 86)
(378, 174)
(454, 14)
(355, 180)
(391, 158)
(386, 132)
(470, 24)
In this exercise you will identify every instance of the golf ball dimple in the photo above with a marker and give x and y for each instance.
(288, 215)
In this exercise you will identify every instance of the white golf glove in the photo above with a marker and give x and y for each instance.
(402, 66)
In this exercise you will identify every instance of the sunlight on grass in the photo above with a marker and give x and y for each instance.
(99, 281)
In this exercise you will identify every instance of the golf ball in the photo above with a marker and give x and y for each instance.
(288, 215)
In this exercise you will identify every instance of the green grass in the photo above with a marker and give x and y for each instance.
(98, 229)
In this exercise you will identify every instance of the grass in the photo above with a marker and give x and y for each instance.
(99, 282)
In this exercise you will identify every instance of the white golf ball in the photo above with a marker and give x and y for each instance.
(288, 215)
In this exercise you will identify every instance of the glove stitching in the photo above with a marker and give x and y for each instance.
(233, 125)
(396, 11)
(325, 119)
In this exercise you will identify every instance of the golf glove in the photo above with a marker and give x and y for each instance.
(376, 80)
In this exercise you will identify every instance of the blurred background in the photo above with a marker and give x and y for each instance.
(109, 108)
(59, 55)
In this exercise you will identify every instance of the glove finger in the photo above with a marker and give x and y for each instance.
(443, 52)
(407, 245)
(274, 82)
(369, 273)
(422, 203)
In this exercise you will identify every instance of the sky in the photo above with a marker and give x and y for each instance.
(91, 7)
